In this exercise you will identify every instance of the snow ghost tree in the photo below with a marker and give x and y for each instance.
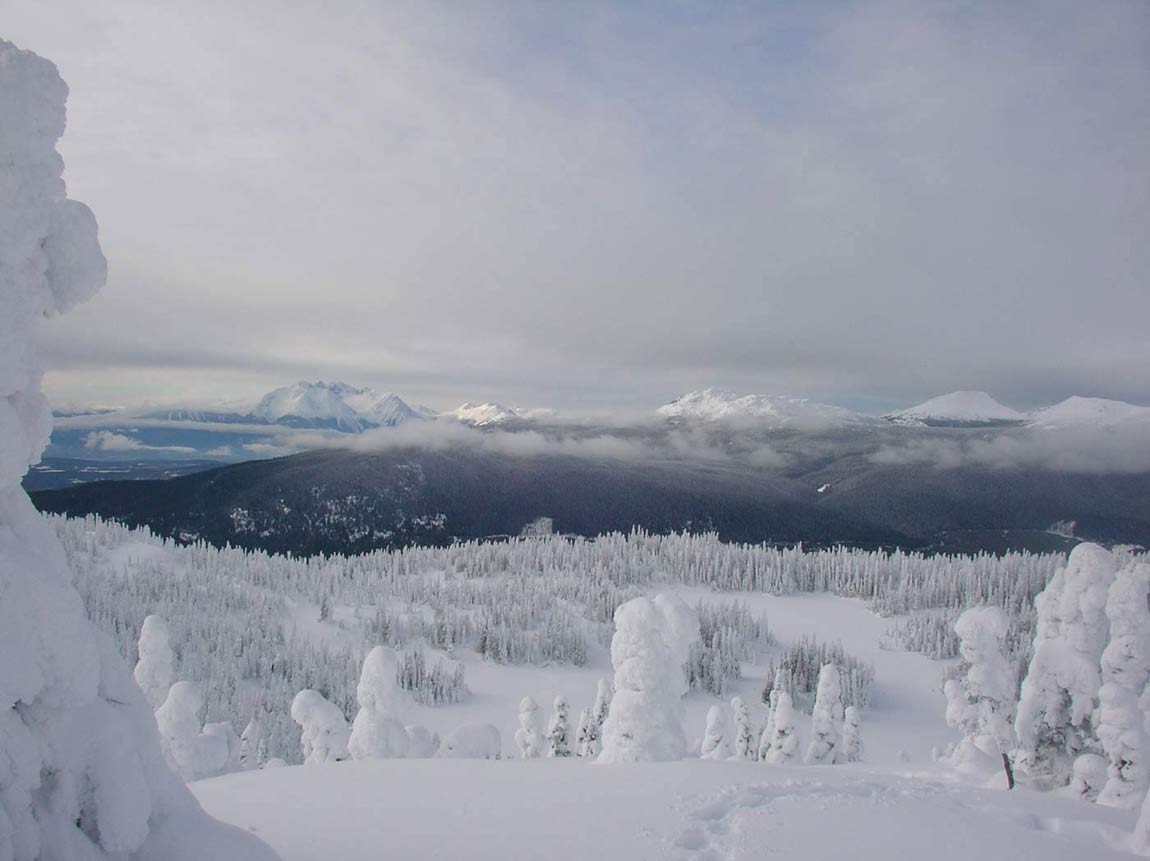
(827, 719)
(376, 732)
(325, 733)
(191, 752)
(1059, 695)
(251, 746)
(231, 744)
(587, 737)
(558, 730)
(81, 772)
(785, 737)
(422, 742)
(472, 741)
(1088, 776)
(1124, 698)
(745, 747)
(650, 647)
(852, 735)
(769, 727)
(715, 745)
(602, 704)
(154, 671)
(529, 739)
(980, 702)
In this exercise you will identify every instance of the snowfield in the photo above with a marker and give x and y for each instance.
(897, 801)
(568, 809)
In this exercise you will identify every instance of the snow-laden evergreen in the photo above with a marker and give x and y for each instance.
(324, 732)
(529, 738)
(253, 748)
(785, 735)
(1124, 698)
(826, 720)
(82, 775)
(800, 669)
(376, 732)
(745, 747)
(559, 729)
(603, 694)
(472, 741)
(980, 700)
(422, 743)
(852, 747)
(716, 735)
(652, 641)
(587, 735)
(154, 671)
(768, 732)
(1140, 841)
(1059, 696)
(190, 751)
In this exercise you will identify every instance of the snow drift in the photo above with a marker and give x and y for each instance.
(81, 772)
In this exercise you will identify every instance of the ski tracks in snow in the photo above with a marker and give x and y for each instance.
(713, 826)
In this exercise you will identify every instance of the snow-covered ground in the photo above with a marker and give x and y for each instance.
(568, 809)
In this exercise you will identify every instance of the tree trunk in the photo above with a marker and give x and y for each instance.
(1009, 771)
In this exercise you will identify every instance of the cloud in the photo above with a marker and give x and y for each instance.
(118, 442)
(1123, 448)
(589, 204)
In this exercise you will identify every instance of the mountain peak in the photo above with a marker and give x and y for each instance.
(958, 408)
(772, 411)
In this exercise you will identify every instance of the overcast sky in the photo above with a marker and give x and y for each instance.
(584, 204)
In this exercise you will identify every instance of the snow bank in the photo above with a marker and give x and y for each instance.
(81, 773)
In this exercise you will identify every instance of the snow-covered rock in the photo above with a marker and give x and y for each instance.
(81, 771)
(769, 411)
(958, 408)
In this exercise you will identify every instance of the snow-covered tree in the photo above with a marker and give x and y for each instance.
(559, 729)
(155, 671)
(190, 751)
(422, 743)
(529, 740)
(745, 747)
(1124, 698)
(587, 736)
(472, 741)
(852, 750)
(225, 731)
(376, 732)
(602, 705)
(769, 727)
(826, 720)
(1088, 776)
(81, 772)
(324, 730)
(716, 742)
(980, 701)
(252, 748)
(651, 644)
(785, 738)
(1060, 692)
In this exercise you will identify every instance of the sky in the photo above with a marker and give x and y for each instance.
(597, 205)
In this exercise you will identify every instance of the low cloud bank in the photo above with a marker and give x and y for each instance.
(586, 443)
(1117, 449)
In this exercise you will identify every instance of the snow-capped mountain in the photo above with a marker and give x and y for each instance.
(382, 409)
(483, 415)
(958, 408)
(770, 411)
(307, 404)
(1088, 412)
